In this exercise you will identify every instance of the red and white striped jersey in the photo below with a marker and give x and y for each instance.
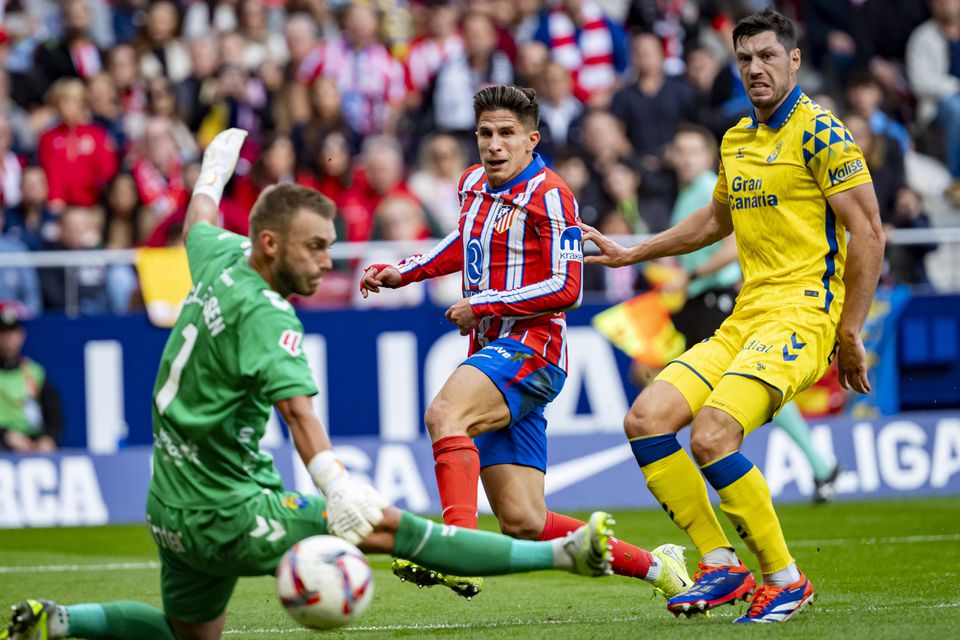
(519, 249)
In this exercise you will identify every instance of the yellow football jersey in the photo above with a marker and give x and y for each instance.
(776, 177)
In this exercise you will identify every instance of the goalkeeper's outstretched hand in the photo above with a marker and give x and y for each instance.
(219, 161)
(353, 509)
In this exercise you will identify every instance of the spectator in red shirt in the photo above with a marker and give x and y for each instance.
(158, 171)
(78, 157)
(329, 170)
(381, 174)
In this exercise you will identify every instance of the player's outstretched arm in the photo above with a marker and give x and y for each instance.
(353, 508)
(859, 212)
(219, 161)
(443, 259)
(702, 228)
(376, 276)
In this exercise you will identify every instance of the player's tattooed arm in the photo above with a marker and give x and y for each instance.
(705, 226)
(859, 212)
(219, 161)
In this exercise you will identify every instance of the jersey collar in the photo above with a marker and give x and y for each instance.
(532, 169)
(783, 112)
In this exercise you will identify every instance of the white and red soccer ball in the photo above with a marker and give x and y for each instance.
(324, 582)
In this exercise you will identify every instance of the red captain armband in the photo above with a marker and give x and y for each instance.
(380, 266)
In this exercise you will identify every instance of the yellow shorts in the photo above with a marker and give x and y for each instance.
(786, 349)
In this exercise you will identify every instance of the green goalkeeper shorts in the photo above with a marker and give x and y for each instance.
(204, 551)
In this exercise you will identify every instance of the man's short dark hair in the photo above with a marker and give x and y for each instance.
(278, 205)
(767, 20)
(862, 78)
(520, 101)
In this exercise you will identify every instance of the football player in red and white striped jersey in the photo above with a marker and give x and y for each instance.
(519, 249)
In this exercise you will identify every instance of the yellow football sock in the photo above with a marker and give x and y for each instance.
(673, 479)
(745, 498)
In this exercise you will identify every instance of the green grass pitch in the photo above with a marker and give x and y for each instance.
(881, 570)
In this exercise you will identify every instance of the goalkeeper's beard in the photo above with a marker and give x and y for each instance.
(289, 281)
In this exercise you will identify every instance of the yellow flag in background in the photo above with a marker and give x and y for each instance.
(641, 328)
(164, 281)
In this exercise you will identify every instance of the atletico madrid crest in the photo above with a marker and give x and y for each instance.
(505, 218)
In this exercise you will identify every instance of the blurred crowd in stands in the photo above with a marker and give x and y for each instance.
(106, 106)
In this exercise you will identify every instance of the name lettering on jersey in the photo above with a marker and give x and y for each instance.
(571, 245)
(845, 172)
(225, 277)
(212, 317)
(290, 341)
(210, 305)
(750, 199)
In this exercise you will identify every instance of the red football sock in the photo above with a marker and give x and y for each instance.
(628, 560)
(458, 472)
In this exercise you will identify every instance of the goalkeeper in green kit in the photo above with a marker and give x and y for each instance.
(216, 507)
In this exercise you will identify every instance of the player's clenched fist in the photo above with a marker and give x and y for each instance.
(353, 509)
(219, 161)
(611, 253)
(376, 276)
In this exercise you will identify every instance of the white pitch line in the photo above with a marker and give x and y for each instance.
(566, 621)
(142, 566)
(59, 568)
(947, 537)
(442, 626)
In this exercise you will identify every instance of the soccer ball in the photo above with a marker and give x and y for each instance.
(324, 582)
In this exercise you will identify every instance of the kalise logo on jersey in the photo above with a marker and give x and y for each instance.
(290, 342)
(571, 247)
(474, 262)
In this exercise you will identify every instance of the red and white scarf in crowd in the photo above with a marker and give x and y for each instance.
(427, 56)
(86, 59)
(590, 59)
(10, 172)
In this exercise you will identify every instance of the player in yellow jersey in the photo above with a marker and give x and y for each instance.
(792, 183)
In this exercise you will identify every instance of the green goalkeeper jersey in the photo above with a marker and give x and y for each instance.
(234, 352)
